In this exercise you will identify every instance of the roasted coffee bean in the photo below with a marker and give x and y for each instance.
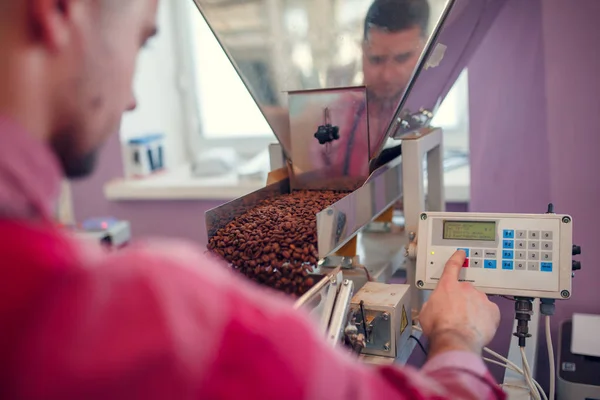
(275, 243)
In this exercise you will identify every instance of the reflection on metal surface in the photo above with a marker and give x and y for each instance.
(340, 314)
(342, 220)
(278, 46)
(320, 299)
(329, 139)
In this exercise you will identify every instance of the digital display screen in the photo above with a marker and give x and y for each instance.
(470, 230)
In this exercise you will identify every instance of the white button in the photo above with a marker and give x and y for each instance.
(521, 235)
(534, 245)
(547, 235)
(520, 255)
(546, 245)
(533, 255)
(546, 256)
(521, 244)
(534, 234)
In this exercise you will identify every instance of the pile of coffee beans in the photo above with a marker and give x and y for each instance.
(275, 243)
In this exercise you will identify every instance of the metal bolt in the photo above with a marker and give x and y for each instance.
(423, 217)
(346, 282)
(385, 316)
(386, 346)
(333, 281)
(411, 236)
(566, 220)
(322, 262)
(329, 211)
(420, 284)
(565, 294)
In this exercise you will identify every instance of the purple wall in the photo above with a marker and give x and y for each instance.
(535, 102)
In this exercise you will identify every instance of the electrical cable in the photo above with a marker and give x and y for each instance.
(535, 388)
(419, 343)
(518, 371)
(551, 360)
(528, 378)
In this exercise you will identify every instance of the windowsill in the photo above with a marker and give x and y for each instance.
(181, 185)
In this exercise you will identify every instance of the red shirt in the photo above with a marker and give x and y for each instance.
(162, 320)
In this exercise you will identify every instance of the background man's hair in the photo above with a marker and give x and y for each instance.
(397, 15)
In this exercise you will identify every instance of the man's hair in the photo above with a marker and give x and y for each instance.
(397, 15)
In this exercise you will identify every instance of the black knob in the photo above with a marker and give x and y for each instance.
(576, 250)
(576, 266)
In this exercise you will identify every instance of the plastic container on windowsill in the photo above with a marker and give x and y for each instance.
(144, 156)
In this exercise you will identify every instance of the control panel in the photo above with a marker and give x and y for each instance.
(526, 255)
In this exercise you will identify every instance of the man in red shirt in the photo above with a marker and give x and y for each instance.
(158, 320)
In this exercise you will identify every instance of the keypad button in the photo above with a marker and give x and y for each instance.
(533, 255)
(533, 266)
(476, 263)
(534, 235)
(490, 253)
(533, 245)
(546, 235)
(508, 254)
(507, 264)
(508, 244)
(546, 267)
(489, 264)
(508, 234)
(521, 235)
(521, 245)
(477, 253)
(521, 265)
(546, 245)
(466, 263)
(520, 255)
(546, 256)
(465, 250)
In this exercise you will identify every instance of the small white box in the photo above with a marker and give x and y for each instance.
(143, 155)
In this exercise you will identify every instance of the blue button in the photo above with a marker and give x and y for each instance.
(466, 251)
(490, 264)
(508, 254)
(507, 264)
(546, 266)
(508, 244)
(508, 234)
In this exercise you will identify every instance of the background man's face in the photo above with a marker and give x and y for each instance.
(389, 59)
(95, 82)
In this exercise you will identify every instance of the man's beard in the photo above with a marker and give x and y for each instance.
(74, 165)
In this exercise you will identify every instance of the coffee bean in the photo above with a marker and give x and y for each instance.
(275, 243)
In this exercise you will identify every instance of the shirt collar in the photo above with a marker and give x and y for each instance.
(30, 175)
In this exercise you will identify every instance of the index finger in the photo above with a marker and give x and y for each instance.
(454, 266)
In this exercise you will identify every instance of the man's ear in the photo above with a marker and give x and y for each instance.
(51, 21)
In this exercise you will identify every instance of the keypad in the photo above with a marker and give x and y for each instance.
(522, 250)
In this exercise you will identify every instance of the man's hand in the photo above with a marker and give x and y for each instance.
(458, 316)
